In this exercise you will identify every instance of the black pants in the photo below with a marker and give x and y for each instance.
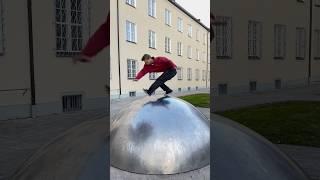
(167, 75)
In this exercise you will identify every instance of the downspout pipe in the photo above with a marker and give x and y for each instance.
(31, 54)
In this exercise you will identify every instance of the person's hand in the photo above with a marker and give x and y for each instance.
(81, 58)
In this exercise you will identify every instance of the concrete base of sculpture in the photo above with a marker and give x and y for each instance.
(239, 153)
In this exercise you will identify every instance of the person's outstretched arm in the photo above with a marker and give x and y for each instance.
(98, 41)
(141, 74)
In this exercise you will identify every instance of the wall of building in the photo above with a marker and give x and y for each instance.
(139, 16)
(315, 63)
(54, 76)
(238, 71)
(58, 76)
(14, 61)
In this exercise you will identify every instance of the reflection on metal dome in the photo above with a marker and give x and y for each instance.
(160, 135)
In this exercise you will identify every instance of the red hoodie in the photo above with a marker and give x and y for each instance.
(99, 40)
(160, 64)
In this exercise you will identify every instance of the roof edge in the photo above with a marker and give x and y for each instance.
(188, 13)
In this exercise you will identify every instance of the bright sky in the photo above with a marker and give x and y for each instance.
(197, 9)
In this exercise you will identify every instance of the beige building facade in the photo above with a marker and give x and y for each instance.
(37, 42)
(158, 28)
(264, 45)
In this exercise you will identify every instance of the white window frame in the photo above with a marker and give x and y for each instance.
(197, 35)
(198, 54)
(190, 30)
(167, 45)
(204, 39)
(180, 24)
(132, 66)
(180, 73)
(132, 3)
(197, 74)
(131, 32)
(316, 44)
(71, 27)
(223, 38)
(153, 76)
(300, 43)
(152, 8)
(204, 75)
(179, 48)
(189, 74)
(204, 56)
(189, 52)
(280, 34)
(168, 17)
(254, 40)
(152, 38)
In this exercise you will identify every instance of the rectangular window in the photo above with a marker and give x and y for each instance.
(277, 84)
(189, 30)
(300, 43)
(131, 2)
(255, 40)
(69, 26)
(252, 86)
(180, 25)
(189, 52)
(131, 32)
(153, 76)
(204, 39)
(197, 74)
(168, 17)
(204, 57)
(189, 74)
(168, 45)
(279, 41)
(132, 94)
(152, 39)
(223, 89)
(204, 75)
(152, 8)
(317, 44)
(132, 68)
(197, 35)
(223, 36)
(180, 49)
(180, 73)
(198, 54)
(71, 103)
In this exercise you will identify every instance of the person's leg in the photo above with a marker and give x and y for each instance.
(161, 80)
(165, 87)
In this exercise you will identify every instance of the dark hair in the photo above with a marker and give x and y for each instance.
(146, 56)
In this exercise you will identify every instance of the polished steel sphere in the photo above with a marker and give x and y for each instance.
(160, 135)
